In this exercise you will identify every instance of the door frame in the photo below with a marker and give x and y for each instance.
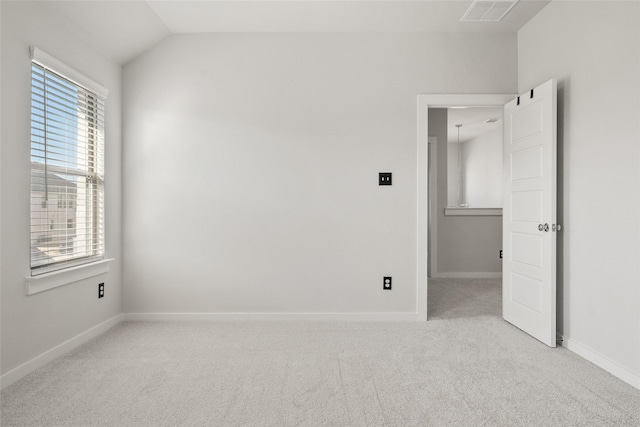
(425, 102)
(432, 217)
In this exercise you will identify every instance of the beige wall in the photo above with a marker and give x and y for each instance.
(482, 160)
(593, 50)
(32, 325)
(260, 155)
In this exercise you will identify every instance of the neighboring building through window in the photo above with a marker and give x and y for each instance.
(67, 166)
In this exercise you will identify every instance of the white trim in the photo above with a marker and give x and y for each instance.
(432, 226)
(356, 317)
(422, 198)
(44, 282)
(473, 211)
(465, 100)
(603, 362)
(468, 275)
(424, 103)
(39, 361)
(57, 66)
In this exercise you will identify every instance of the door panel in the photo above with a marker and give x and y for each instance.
(531, 249)
(527, 292)
(526, 164)
(529, 265)
(526, 206)
(527, 121)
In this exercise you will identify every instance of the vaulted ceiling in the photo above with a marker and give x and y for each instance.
(124, 29)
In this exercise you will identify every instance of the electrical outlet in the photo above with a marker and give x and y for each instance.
(100, 290)
(384, 178)
(386, 283)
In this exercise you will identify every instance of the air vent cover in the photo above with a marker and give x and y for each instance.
(488, 11)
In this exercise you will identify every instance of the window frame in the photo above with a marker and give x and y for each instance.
(96, 94)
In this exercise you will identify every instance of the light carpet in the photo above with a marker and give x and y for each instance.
(465, 367)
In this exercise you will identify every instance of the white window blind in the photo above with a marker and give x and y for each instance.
(67, 169)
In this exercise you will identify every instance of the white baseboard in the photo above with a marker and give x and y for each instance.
(466, 275)
(602, 361)
(362, 317)
(39, 361)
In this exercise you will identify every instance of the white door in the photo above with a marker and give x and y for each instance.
(529, 213)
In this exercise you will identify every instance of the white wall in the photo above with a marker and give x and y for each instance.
(32, 325)
(593, 49)
(1, 238)
(482, 160)
(251, 165)
(481, 163)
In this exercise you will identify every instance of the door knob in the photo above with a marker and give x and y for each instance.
(540, 227)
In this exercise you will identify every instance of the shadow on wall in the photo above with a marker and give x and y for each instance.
(563, 101)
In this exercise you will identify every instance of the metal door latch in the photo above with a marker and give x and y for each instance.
(545, 227)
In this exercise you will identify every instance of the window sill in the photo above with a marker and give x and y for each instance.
(473, 211)
(44, 282)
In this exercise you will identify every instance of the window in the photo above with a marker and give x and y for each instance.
(67, 166)
(66, 201)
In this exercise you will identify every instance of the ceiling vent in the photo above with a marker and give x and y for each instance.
(488, 11)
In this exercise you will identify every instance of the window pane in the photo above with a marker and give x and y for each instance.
(66, 171)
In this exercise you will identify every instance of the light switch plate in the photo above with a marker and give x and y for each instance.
(384, 178)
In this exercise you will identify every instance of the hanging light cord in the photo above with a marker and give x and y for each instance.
(459, 168)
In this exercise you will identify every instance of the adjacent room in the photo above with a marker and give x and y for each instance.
(293, 212)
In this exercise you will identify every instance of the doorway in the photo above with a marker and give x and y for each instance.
(427, 246)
